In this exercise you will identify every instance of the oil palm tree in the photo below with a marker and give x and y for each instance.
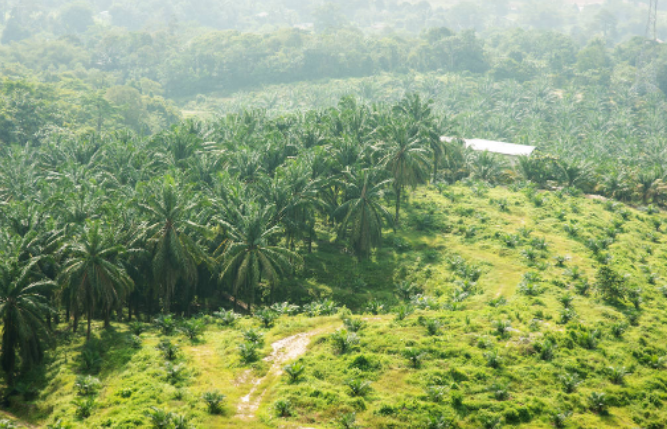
(23, 308)
(403, 153)
(363, 214)
(94, 275)
(175, 254)
(250, 255)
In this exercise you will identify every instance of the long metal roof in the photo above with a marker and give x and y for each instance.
(497, 147)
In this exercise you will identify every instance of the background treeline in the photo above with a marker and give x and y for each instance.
(616, 18)
(182, 57)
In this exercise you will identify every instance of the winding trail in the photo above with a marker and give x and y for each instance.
(284, 350)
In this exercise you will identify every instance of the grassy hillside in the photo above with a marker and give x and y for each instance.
(526, 309)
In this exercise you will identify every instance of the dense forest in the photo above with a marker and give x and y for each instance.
(183, 181)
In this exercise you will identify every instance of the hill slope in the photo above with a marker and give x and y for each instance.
(508, 325)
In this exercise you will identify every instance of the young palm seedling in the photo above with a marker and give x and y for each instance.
(213, 400)
(414, 356)
(295, 371)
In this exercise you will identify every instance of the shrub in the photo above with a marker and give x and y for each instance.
(406, 290)
(497, 302)
(530, 288)
(414, 356)
(267, 317)
(566, 300)
(91, 360)
(226, 317)
(168, 349)
(283, 408)
(502, 328)
(285, 308)
(489, 421)
(7, 424)
(582, 287)
(611, 285)
(375, 307)
(181, 422)
(436, 393)
(135, 342)
(559, 420)
(165, 323)
(424, 302)
(493, 359)
(403, 311)
(137, 328)
(348, 421)
(253, 336)
(343, 341)
(617, 374)
(248, 352)
(295, 371)
(618, 329)
(570, 382)
(500, 392)
(84, 407)
(87, 385)
(561, 260)
(159, 418)
(457, 399)
(571, 229)
(567, 314)
(441, 422)
(546, 349)
(575, 273)
(588, 339)
(213, 400)
(192, 328)
(174, 373)
(432, 326)
(635, 297)
(358, 388)
(354, 325)
(597, 402)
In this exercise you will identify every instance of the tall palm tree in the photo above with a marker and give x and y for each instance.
(23, 307)
(94, 275)
(363, 214)
(249, 254)
(403, 154)
(175, 254)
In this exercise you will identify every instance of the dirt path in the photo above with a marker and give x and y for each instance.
(285, 350)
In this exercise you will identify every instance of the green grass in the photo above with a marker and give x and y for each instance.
(469, 374)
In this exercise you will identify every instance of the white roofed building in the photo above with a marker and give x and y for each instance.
(510, 150)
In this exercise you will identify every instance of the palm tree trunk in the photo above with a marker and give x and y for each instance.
(75, 323)
(436, 162)
(90, 317)
(107, 318)
(398, 202)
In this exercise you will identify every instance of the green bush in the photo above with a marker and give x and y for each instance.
(87, 385)
(295, 371)
(213, 400)
(283, 408)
